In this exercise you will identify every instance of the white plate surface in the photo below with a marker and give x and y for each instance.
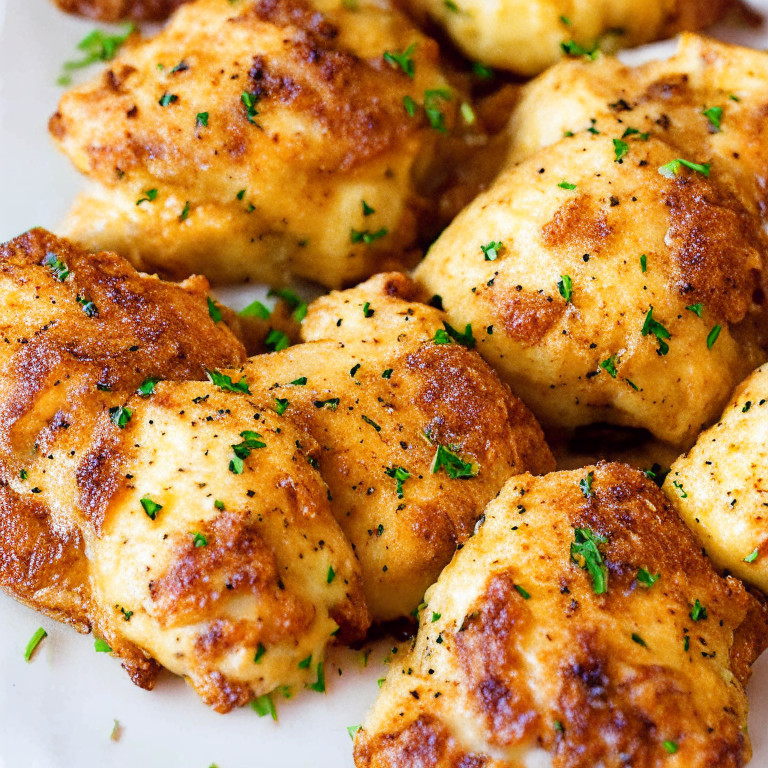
(59, 710)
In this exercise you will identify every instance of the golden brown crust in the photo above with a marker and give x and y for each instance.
(517, 652)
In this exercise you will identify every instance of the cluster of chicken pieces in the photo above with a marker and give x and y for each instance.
(228, 517)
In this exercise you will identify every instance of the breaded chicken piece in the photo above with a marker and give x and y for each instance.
(260, 140)
(416, 437)
(582, 620)
(183, 524)
(608, 282)
(708, 101)
(115, 10)
(527, 36)
(719, 486)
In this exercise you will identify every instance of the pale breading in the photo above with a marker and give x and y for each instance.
(719, 487)
(259, 141)
(381, 398)
(527, 36)
(517, 653)
(115, 10)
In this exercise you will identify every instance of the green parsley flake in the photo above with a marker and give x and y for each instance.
(147, 387)
(353, 729)
(714, 115)
(90, 309)
(260, 651)
(219, 505)
(620, 148)
(635, 132)
(698, 612)
(403, 60)
(371, 422)
(670, 170)
(671, 747)
(451, 462)
(300, 382)
(679, 486)
(646, 578)
(102, 646)
(264, 705)
(331, 574)
(586, 485)
(167, 98)
(387, 374)
(332, 403)
(222, 381)
(367, 210)
(435, 115)
(250, 100)
(448, 333)
(752, 556)
(644, 263)
(366, 236)
(572, 48)
(639, 640)
(199, 540)
(319, 685)
(491, 250)
(410, 106)
(213, 311)
(697, 309)
(202, 119)
(36, 639)
(57, 266)
(400, 475)
(120, 416)
(747, 406)
(184, 215)
(97, 46)
(482, 71)
(435, 616)
(23, 474)
(354, 369)
(256, 309)
(367, 311)
(712, 336)
(281, 404)
(522, 592)
(295, 304)
(150, 507)
(658, 330)
(150, 196)
(566, 185)
(586, 554)
(609, 365)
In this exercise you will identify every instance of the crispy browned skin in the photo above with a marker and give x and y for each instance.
(270, 194)
(433, 395)
(115, 10)
(77, 542)
(516, 653)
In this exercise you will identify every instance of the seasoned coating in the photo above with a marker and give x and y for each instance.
(115, 10)
(78, 452)
(593, 239)
(719, 488)
(526, 36)
(517, 653)
(273, 141)
(379, 395)
(672, 99)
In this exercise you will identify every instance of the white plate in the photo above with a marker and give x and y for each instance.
(60, 709)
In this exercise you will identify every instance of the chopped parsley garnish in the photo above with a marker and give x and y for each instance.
(410, 105)
(387, 374)
(679, 486)
(354, 369)
(281, 405)
(452, 463)
(331, 403)
(435, 115)
(435, 616)
(331, 575)
(319, 685)
(466, 339)
(400, 474)
(213, 311)
(256, 309)
(367, 210)
(565, 286)
(184, 215)
(752, 556)
(367, 311)
(276, 340)
(558, 726)
(670, 746)
(586, 485)
(657, 474)
(635, 132)
(90, 309)
(491, 250)
(202, 119)
(102, 646)
(698, 612)
(686, 643)
(23, 474)
(300, 382)
(639, 640)
(59, 269)
(150, 507)
(147, 387)
(371, 422)
(620, 148)
(572, 48)
(712, 336)
(522, 592)
(97, 46)
(482, 71)
(733, 97)
(366, 236)
(747, 406)
(222, 381)
(167, 98)
(586, 554)
(263, 705)
(199, 540)
(566, 185)
(670, 170)
(644, 263)
(251, 441)
(353, 729)
(150, 196)
(120, 416)
(219, 505)
(646, 578)
(260, 651)
(297, 306)
(250, 100)
(609, 365)
(714, 115)
(441, 337)
(658, 330)
(403, 60)
(37, 638)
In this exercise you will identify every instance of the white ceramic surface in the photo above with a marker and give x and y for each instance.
(59, 710)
